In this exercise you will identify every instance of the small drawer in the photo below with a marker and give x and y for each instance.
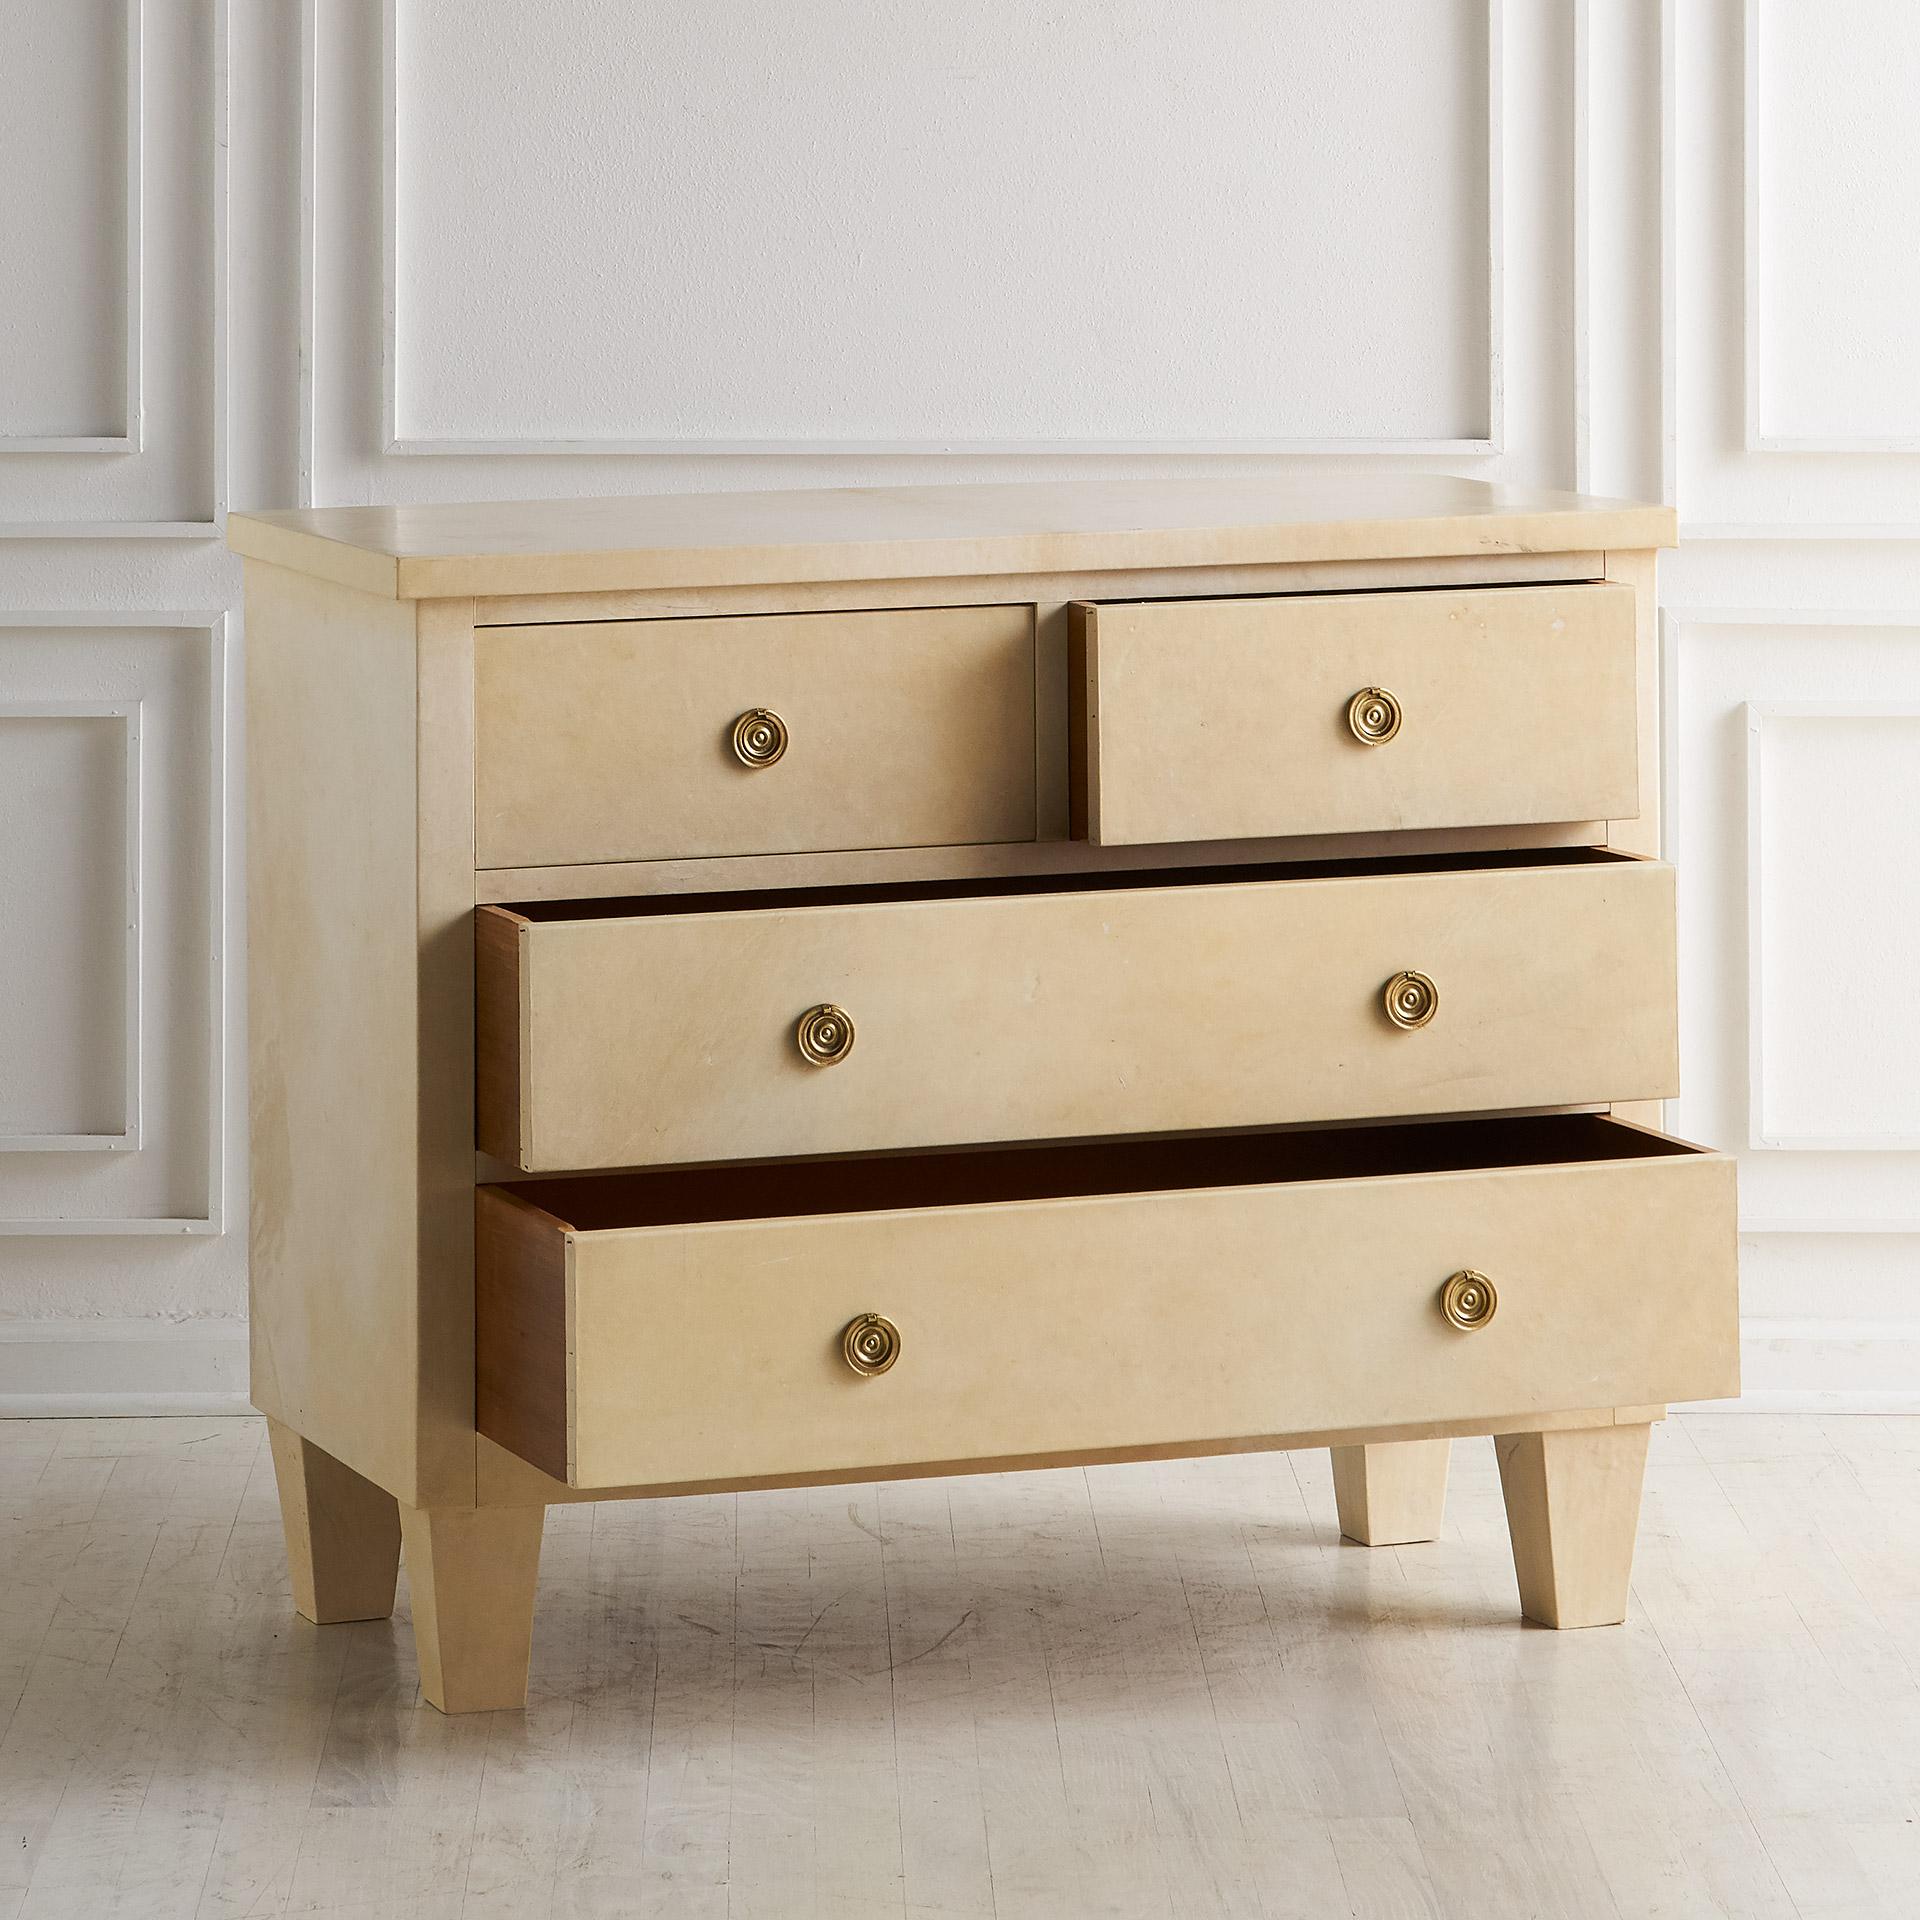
(842, 1020)
(1023, 1304)
(1354, 712)
(683, 739)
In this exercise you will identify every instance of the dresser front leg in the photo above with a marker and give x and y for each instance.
(472, 1571)
(1573, 1507)
(1391, 1494)
(343, 1532)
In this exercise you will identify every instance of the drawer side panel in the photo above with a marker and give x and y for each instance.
(520, 1329)
(497, 936)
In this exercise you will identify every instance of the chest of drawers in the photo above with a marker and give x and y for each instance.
(771, 989)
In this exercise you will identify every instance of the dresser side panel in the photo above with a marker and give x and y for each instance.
(442, 1355)
(333, 1018)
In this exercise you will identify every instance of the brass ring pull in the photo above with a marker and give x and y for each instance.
(1373, 716)
(759, 737)
(870, 1344)
(1469, 1300)
(824, 1035)
(1411, 1000)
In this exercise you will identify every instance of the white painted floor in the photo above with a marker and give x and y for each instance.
(1134, 1690)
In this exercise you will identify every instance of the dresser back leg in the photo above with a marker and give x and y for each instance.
(472, 1572)
(343, 1533)
(1573, 1507)
(1393, 1493)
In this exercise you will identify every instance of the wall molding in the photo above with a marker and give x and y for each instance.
(1763, 1135)
(219, 135)
(75, 1368)
(125, 715)
(1675, 623)
(401, 445)
(129, 438)
(1758, 440)
(1753, 442)
(220, 887)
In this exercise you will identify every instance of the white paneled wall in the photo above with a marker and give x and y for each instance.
(329, 250)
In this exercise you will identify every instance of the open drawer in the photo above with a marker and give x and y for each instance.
(664, 1328)
(1355, 712)
(736, 1026)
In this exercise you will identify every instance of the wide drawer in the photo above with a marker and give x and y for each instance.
(677, 1029)
(617, 740)
(1354, 712)
(654, 1329)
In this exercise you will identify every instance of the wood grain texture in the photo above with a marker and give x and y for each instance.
(875, 533)
(1048, 1012)
(360, 998)
(1045, 589)
(442, 1359)
(474, 1572)
(333, 1019)
(1642, 832)
(342, 1532)
(1573, 1508)
(611, 741)
(508, 1480)
(1222, 719)
(881, 866)
(706, 1348)
(520, 1328)
(1393, 1494)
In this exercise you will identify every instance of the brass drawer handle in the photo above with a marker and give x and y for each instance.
(870, 1344)
(824, 1035)
(1469, 1300)
(759, 737)
(1411, 1000)
(1373, 715)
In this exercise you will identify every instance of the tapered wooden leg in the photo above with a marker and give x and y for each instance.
(1391, 1494)
(343, 1533)
(1573, 1506)
(472, 1571)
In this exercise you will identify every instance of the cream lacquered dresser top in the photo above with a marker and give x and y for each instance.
(897, 533)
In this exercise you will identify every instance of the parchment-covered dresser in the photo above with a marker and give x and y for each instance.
(795, 987)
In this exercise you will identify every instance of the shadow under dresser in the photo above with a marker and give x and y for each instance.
(769, 989)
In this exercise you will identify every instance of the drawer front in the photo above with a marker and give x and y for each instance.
(656, 1355)
(614, 741)
(676, 1037)
(1230, 719)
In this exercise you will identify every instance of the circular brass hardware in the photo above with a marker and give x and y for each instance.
(1411, 1000)
(759, 738)
(870, 1344)
(1373, 715)
(1469, 1300)
(825, 1035)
